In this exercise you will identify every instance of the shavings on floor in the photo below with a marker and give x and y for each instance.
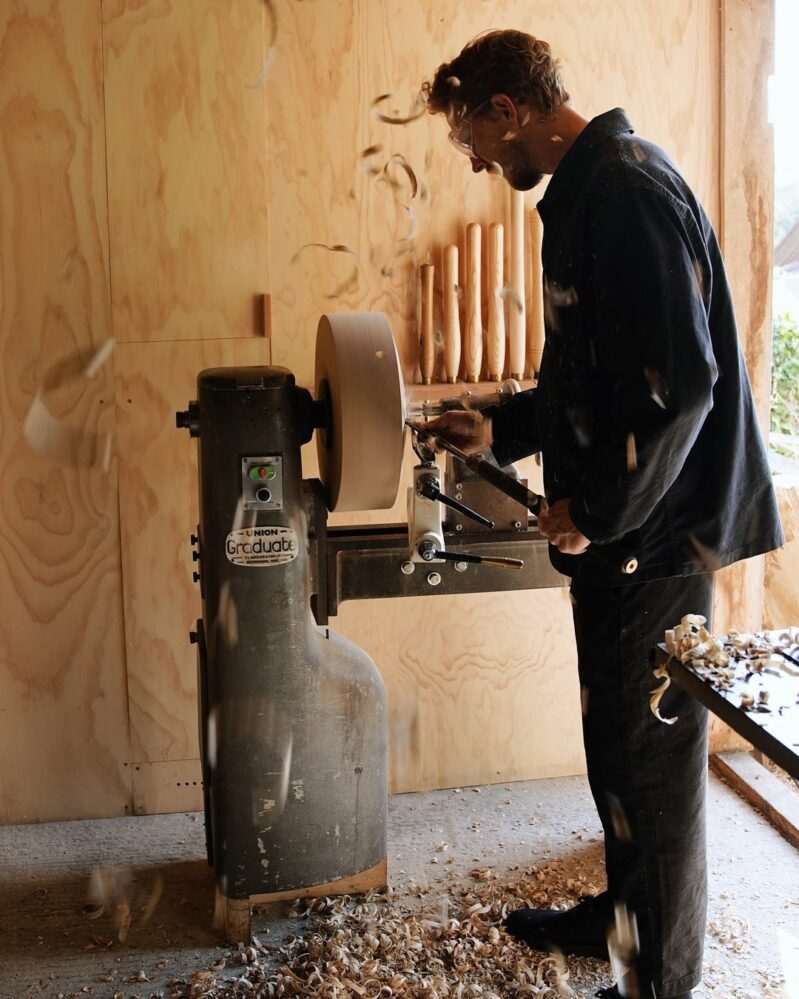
(450, 946)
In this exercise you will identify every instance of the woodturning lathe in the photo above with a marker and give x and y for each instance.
(292, 715)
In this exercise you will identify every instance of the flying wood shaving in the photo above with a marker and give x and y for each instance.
(495, 169)
(271, 50)
(656, 695)
(658, 388)
(632, 454)
(98, 359)
(399, 160)
(53, 438)
(351, 282)
(416, 111)
(511, 295)
(370, 151)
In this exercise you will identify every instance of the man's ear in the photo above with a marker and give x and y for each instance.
(505, 107)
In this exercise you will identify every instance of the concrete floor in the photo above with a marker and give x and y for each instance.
(49, 946)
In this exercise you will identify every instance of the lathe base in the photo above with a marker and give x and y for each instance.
(233, 916)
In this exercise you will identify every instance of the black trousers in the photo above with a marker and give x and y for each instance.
(648, 779)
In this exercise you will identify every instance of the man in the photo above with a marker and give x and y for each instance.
(644, 417)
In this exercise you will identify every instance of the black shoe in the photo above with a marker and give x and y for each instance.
(581, 931)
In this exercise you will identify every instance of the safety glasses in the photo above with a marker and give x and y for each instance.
(460, 135)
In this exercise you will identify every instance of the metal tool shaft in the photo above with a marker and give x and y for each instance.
(477, 464)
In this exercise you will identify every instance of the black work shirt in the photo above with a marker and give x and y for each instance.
(643, 411)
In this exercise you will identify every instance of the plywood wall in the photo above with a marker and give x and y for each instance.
(63, 703)
(176, 187)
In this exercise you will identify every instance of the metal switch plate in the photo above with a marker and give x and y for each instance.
(262, 493)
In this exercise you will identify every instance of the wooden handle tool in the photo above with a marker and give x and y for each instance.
(516, 324)
(427, 352)
(495, 342)
(535, 315)
(473, 333)
(452, 326)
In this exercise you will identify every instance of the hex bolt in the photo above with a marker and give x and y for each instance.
(517, 524)
(461, 566)
(194, 539)
(459, 527)
(195, 556)
(196, 577)
(434, 578)
(407, 567)
(459, 486)
(193, 637)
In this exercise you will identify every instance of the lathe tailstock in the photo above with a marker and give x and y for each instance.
(292, 715)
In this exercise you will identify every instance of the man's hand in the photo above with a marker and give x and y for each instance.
(468, 430)
(556, 525)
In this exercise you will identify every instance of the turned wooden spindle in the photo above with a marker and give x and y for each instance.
(427, 352)
(495, 339)
(473, 330)
(535, 313)
(452, 325)
(516, 323)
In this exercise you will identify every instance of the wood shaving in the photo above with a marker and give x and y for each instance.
(376, 947)
(351, 282)
(512, 296)
(416, 111)
(632, 454)
(736, 664)
(271, 49)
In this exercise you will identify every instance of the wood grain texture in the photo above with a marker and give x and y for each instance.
(158, 513)
(63, 710)
(480, 688)
(746, 226)
(187, 167)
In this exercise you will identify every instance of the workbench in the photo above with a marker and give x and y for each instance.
(771, 727)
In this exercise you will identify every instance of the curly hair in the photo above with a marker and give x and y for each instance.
(498, 62)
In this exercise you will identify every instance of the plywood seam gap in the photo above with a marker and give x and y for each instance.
(203, 339)
(113, 383)
(159, 763)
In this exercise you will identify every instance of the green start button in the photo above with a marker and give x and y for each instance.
(259, 473)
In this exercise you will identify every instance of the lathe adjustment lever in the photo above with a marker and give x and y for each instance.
(429, 487)
(429, 552)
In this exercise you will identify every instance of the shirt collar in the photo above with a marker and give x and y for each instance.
(580, 156)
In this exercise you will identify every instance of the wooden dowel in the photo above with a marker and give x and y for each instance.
(427, 352)
(452, 326)
(516, 323)
(473, 331)
(535, 316)
(495, 341)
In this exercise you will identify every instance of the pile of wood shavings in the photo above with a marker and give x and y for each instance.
(736, 657)
(376, 948)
